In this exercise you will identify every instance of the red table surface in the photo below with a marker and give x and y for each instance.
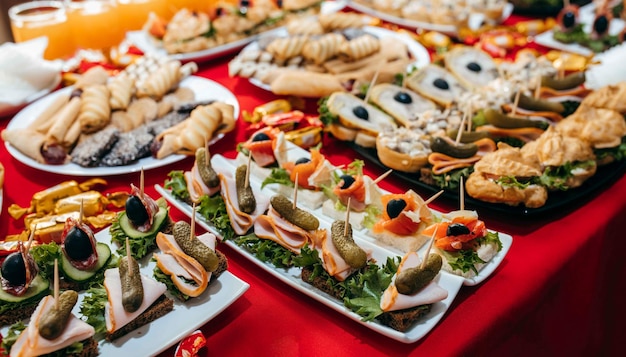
(559, 290)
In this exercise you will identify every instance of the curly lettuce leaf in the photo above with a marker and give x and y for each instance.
(555, 178)
(92, 308)
(44, 255)
(326, 116)
(463, 260)
(213, 210)
(451, 180)
(365, 289)
(177, 185)
(266, 250)
(278, 176)
(159, 275)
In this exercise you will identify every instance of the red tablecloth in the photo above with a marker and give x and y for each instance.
(558, 292)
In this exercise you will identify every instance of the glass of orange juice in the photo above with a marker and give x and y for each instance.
(134, 13)
(95, 23)
(173, 6)
(43, 18)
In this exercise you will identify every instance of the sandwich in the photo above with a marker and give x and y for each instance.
(140, 222)
(202, 179)
(473, 67)
(187, 263)
(567, 162)
(350, 118)
(463, 242)
(403, 218)
(403, 104)
(437, 84)
(22, 286)
(412, 291)
(53, 329)
(507, 176)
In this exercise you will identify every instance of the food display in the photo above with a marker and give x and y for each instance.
(193, 31)
(343, 53)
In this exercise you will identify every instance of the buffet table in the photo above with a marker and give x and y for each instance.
(559, 290)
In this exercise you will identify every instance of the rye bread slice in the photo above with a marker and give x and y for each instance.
(160, 307)
(90, 349)
(402, 320)
(319, 282)
(222, 265)
(14, 315)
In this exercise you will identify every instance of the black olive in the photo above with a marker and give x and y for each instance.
(361, 112)
(601, 24)
(403, 97)
(260, 137)
(14, 270)
(136, 211)
(394, 207)
(77, 244)
(348, 180)
(303, 160)
(441, 84)
(569, 19)
(457, 229)
(474, 67)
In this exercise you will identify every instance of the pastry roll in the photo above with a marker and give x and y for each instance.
(161, 81)
(305, 27)
(204, 122)
(121, 89)
(95, 111)
(324, 48)
(63, 120)
(359, 47)
(342, 20)
(284, 48)
(28, 141)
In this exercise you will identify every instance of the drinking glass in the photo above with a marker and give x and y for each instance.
(95, 24)
(43, 18)
(134, 13)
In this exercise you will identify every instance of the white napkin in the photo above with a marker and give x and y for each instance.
(24, 73)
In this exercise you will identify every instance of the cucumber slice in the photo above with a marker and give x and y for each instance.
(37, 286)
(77, 275)
(131, 232)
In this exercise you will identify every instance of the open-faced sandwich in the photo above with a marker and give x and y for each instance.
(402, 104)
(187, 263)
(53, 330)
(22, 286)
(463, 242)
(404, 217)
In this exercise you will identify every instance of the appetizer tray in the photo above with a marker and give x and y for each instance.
(148, 45)
(167, 330)
(586, 16)
(420, 54)
(204, 89)
(557, 201)
(291, 276)
(474, 21)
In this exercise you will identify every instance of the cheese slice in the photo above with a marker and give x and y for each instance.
(115, 315)
(392, 300)
(30, 343)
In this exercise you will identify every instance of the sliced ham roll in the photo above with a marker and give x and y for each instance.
(115, 315)
(30, 343)
(240, 221)
(392, 300)
(274, 227)
(182, 268)
(196, 187)
(332, 261)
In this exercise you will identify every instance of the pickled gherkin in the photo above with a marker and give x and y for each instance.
(245, 196)
(354, 255)
(132, 287)
(193, 247)
(297, 216)
(412, 280)
(206, 171)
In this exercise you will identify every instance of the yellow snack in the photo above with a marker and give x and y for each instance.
(305, 137)
(93, 203)
(275, 106)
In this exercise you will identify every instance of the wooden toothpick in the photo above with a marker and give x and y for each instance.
(433, 197)
(382, 177)
(31, 237)
(192, 231)
(206, 152)
(56, 283)
(516, 102)
(345, 226)
(141, 182)
(81, 212)
(128, 254)
(462, 195)
(295, 191)
(249, 163)
(538, 87)
(374, 79)
(460, 131)
(430, 245)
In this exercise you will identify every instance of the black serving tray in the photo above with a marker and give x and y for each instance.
(557, 203)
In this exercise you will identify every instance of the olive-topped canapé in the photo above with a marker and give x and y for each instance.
(14, 269)
(347, 180)
(361, 112)
(395, 207)
(457, 229)
(260, 137)
(136, 211)
(303, 160)
(474, 67)
(403, 97)
(441, 84)
(77, 244)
